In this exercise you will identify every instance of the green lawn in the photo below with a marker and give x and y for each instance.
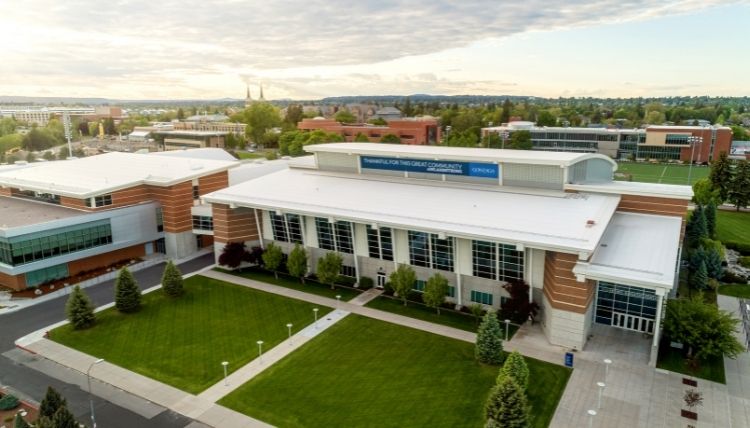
(368, 373)
(736, 290)
(662, 173)
(733, 226)
(311, 287)
(182, 342)
(251, 155)
(672, 359)
(415, 310)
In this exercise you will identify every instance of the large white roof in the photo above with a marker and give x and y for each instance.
(636, 249)
(535, 157)
(207, 153)
(95, 175)
(636, 188)
(546, 219)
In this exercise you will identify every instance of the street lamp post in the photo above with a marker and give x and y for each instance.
(591, 413)
(607, 362)
(225, 364)
(91, 397)
(489, 134)
(693, 140)
(315, 312)
(260, 350)
(507, 324)
(289, 328)
(338, 300)
(601, 386)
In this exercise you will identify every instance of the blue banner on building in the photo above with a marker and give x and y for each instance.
(468, 169)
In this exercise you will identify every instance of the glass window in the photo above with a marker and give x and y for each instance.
(442, 253)
(42, 276)
(103, 200)
(419, 250)
(344, 243)
(203, 222)
(419, 285)
(159, 220)
(497, 261)
(286, 228)
(31, 247)
(348, 271)
(481, 297)
(380, 243)
(336, 236)
(428, 250)
(624, 299)
(325, 234)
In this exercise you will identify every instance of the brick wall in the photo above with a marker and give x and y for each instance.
(213, 182)
(17, 282)
(105, 259)
(234, 225)
(560, 285)
(653, 205)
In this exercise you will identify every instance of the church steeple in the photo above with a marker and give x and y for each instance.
(248, 98)
(261, 92)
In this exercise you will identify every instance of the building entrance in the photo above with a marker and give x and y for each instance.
(627, 307)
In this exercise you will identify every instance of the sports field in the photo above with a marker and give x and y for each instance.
(660, 173)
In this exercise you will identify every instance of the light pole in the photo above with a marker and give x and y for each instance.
(91, 397)
(225, 364)
(315, 312)
(693, 140)
(507, 324)
(591, 413)
(338, 300)
(260, 351)
(601, 386)
(289, 328)
(505, 137)
(607, 362)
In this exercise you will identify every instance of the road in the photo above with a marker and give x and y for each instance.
(34, 383)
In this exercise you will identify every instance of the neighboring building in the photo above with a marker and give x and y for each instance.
(653, 142)
(419, 131)
(62, 218)
(593, 250)
(207, 118)
(228, 127)
(387, 114)
(177, 140)
(41, 115)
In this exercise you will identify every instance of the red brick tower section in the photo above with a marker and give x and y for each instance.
(234, 224)
(561, 288)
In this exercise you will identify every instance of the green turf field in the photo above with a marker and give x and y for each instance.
(661, 173)
(183, 341)
(367, 373)
(733, 226)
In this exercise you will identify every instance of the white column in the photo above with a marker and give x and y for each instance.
(657, 322)
(260, 229)
(457, 269)
(529, 270)
(354, 253)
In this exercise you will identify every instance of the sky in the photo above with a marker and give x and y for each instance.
(312, 49)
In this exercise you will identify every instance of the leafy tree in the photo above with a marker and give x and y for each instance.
(180, 114)
(39, 139)
(518, 308)
(233, 254)
(127, 292)
(109, 126)
(462, 139)
(7, 126)
(435, 291)
(704, 329)
(63, 154)
(489, 346)
(344, 116)
(361, 138)
(390, 139)
(699, 278)
(273, 258)
(402, 281)
(710, 213)
(520, 140)
(260, 117)
(297, 262)
(516, 368)
(79, 309)
(294, 114)
(721, 175)
(328, 269)
(546, 118)
(696, 227)
(63, 419)
(477, 310)
(19, 422)
(48, 156)
(171, 280)
(407, 108)
(739, 188)
(51, 402)
(507, 405)
(379, 121)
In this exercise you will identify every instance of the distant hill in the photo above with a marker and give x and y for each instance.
(16, 99)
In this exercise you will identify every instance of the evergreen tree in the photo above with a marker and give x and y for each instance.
(739, 189)
(19, 422)
(713, 263)
(329, 267)
(507, 405)
(171, 280)
(273, 258)
(697, 228)
(127, 292)
(697, 257)
(64, 419)
(721, 175)
(79, 309)
(699, 278)
(489, 346)
(297, 262)
(710, 214)
(402, 281)
(51, 402)
(515, 367)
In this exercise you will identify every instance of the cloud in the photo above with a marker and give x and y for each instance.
(86, 42)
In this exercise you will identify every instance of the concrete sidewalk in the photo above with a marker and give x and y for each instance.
(737, 371)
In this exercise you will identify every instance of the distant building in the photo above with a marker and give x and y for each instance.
(678, 143)
(208, 118)
(387, 114)
(179, 139)
(249, 99)
(228, 127)
(42, 115)
(420, 131)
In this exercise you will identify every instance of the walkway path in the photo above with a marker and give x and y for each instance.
(737, 371)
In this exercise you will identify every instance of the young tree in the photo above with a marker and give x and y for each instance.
(273, 257)
(51, 402)
(704, 329)
(233, 254)
(704, 192)
(361, 138)
(710, 214)
(696, 227)
(435, 291)
(489, 346)
(515, 367)
(260, 117)
(739, 188)
(79, 309)
(520, 140)
(19, 422)
(402, 281)
(63, 419)
(344, 116)
(127, 292)
(699, 278)
(171, 280)
(518, 308)
(721, 175)
(329, 267)
(297, 262)
(390, 139)
(507, 405)
(713, 264)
